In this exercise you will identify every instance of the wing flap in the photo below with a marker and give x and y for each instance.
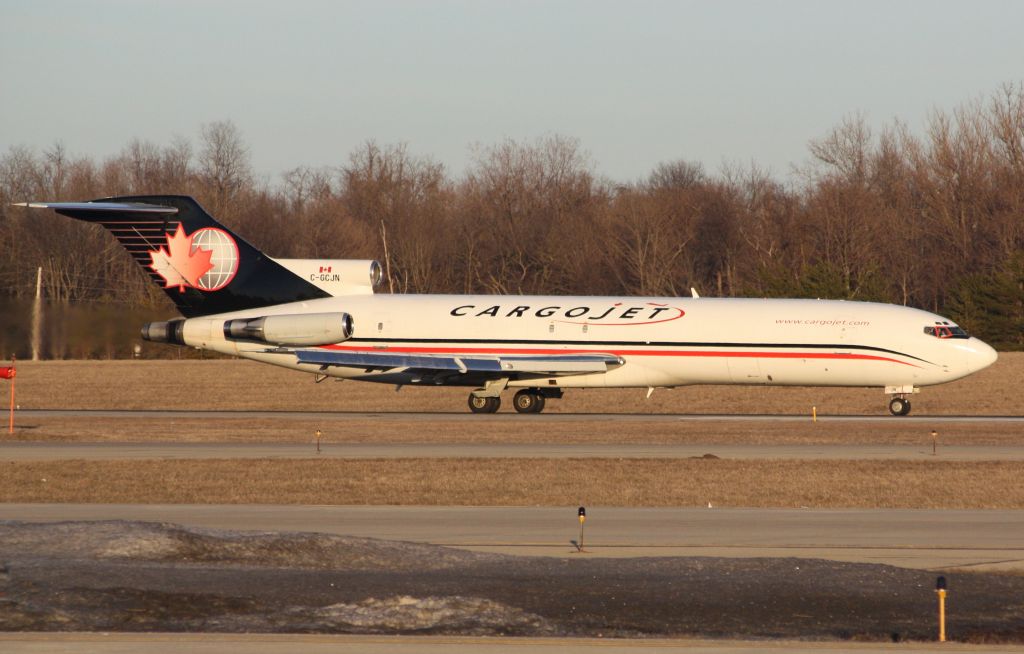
(497, 366)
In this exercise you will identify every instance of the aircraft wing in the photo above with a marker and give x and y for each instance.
(496, 366)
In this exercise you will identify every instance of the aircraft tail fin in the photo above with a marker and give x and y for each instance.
(202, 265)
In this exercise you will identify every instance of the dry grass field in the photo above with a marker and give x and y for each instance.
(524, 482)
(245, 385)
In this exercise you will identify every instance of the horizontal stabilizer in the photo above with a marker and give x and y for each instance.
(497, 366)
(83, 209)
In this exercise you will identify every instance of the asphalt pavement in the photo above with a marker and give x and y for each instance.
(129, 643)
(912, 538)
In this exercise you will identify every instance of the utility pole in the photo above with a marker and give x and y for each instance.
(37, 315)
(387, 257)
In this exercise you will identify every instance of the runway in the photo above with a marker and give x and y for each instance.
(503, 416)
(923, 539)
(53, 451)
(159, 643)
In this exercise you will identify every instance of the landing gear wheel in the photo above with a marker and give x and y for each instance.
(899, 406)
(484, 404)
(528, 401)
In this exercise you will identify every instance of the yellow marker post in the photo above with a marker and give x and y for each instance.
(814, 414)
(940, 590)
(583, 518)
(935, 439)
(318, 435)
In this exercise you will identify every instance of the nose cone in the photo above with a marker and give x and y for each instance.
(980, 355)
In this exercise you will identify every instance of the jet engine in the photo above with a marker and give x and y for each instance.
(300, 329)
(171, 331)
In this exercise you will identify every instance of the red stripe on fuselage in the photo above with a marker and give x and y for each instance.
(618, 352)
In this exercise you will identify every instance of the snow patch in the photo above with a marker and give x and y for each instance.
(406, 613)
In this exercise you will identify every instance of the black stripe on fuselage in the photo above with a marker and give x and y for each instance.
(775, 346)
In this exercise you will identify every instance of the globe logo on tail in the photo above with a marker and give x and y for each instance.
(224, 257)
(206, 260)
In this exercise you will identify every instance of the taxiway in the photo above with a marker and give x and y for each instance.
(129, 643)
(922, 539)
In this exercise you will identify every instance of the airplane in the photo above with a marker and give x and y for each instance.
(323, 316)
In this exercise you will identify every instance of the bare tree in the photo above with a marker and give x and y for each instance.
(649, 238)
(514, 197)
(404, 199)
(223, 161)
(176, 165)
(677, 175)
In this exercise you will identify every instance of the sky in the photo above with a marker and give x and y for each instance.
(637, 83)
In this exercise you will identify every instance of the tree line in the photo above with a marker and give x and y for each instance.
(932, 218)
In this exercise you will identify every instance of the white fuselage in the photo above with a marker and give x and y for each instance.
(663, 342)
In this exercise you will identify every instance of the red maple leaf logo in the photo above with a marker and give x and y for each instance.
(178, 264)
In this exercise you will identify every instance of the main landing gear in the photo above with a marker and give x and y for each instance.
(527, 400)
(484, 404)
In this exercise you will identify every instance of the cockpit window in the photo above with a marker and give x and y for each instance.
(946, 330)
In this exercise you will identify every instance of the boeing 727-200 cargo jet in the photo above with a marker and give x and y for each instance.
(323, 317)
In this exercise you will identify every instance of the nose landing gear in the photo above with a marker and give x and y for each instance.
(899, 406)
(899, 402)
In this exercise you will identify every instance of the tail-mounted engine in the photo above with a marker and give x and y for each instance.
(171, 331)
(303, 329)
(287, 330)
(337, 276)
